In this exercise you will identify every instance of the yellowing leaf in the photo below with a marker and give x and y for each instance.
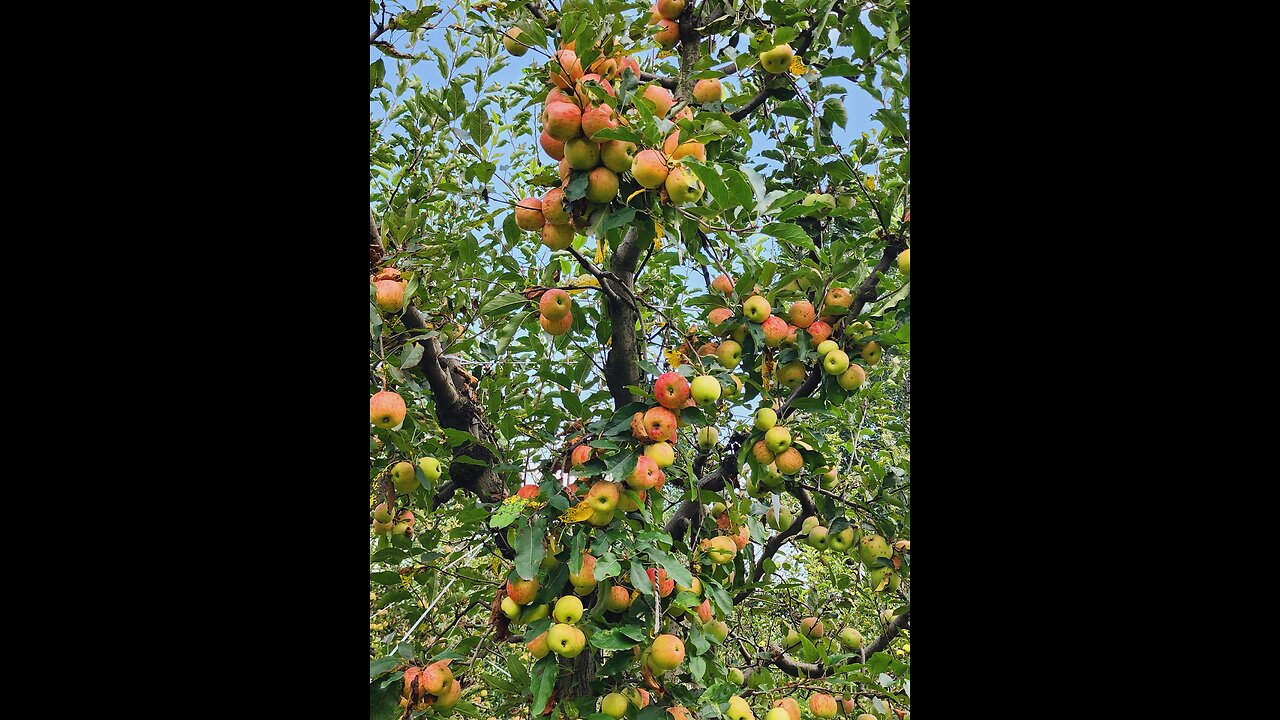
(884, 582)
(599, 252)
(673, 358)
(578, 513)
(638, 192)
(870, 183)
(797, 66)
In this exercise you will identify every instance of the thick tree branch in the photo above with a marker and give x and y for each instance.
(777, 541)
(620, 366)
(795, 668)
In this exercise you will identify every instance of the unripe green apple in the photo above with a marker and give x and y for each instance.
(717, 630)
(566, 640)
(736, 677)
(777, 59)
(777, 439)
(739, 709)
(730, 354)
(582, 154)
(871, 353)
(430, 467)
(404, 478)
(877, 574)
(846, 201)
(618, 155)
(757, 309)
(810, 523)
(509, 41)
(836, 362)
(534, 613)
(827, 200)
(791, 374)
(779, 521)
(772, 476)
(850, 638)
(683, 186)
(777, 714)
(568, 610)
(614, 705)
(827, 346)
(843, 540)
(705, 390)
(766, 418)
(872, 548)
(792, 639)
(510, 609)
(708, 437)
(818, 538)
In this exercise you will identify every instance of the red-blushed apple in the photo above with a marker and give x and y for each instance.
(381, 514)
(602, 185)
(566, 69)
(557, 237)
(564, 121)
(818, 332)
(581, 454)
(722, 284)
(618, 155)
(658, 578)
(553, 147)
(538, 646)
(683, 187)
(822, 705)
(719, 315)
(591, 78)
(522, 591)
(789, 461)
(790, 705)
(667, 652)
(708, 90)
(389, 295)
(603, 497)
(742, 537)
(837, 297)
(584, 581)
(669, 9)
(762, 454)
(668, 36)
(529, 214)
(704, 612)
(756, 308)
(671, 390)
(555, 304)
(720, 549)
(650, 169)
(801, 313)
(617, 600)
(676, 149)
(660, 424)
(661, 97)
(528, 492)
(386, 409)
(811, 627)
(871, 353)
(556, 327)
(645, 476)
(581, 153)
(775, 331)
(555, 208)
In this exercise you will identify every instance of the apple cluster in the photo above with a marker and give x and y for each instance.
(431, 686)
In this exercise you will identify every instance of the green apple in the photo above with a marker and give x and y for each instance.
(730, 354)
(510, 609)
(852, 378)
(381, 514)
(705, 390)
(766, 418)
(777, 59)
(843, 540)
(873, 547)
(777, 714)
(818, 538)
(430, 467)
(736, 677)
(568, 610)
(772, 476)
(614, 705)
(566, 640)
(779, 521)
(792, 639)
(877, 574)
(404, 478)
(708, 437)
(777, 439)
(827, 346)
(757, 309)
(810, 523)
(904, 262)
(717, 630)
(825, 199)
(850, 638)
(836, 362)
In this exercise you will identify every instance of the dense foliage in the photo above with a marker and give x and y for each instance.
(615, 470)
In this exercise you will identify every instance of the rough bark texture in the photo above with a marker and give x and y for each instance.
(620, 366)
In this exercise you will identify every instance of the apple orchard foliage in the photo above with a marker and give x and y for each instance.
(699, 598)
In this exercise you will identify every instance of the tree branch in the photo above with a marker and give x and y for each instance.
(620, 365)
(795, 668)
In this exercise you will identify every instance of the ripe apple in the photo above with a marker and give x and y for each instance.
(658, 578)
(708, 437)
(617, 600)
(718, 316)
(671, 390)
(852, 378)
(603, 498)
(722, 284)
(801, 313)
(584, 578)
(843, 540)
(389, 295)
(704, 612)
(581, 454)
(510, 608)
(510, 40)
(386, 409)
(447, 699)
(721, 549)
(602, 185)
(614, 705)
(739, 709)
(566, 68)
(618, 155)
(670, 9)
(557, 237)
(871, 353)
(789, 461)
(522, 591)
(708, 90)
(730, 354)
(777, 59)
(695, 587)
(837, 297)
(579, 88)
(775, 331)
(904, 262)
(682, 186)
(872, 548)
(777, 438)
(566, 640)
(756, 308)
(850, 638)
(436, 677)
(556, 327)
(568, 610)
(662, 453)
(667, 652)
(660, 423)
(705, 390)
(668, 36)
(554, 207)
(835, 362)
(822, 705)
(538, 646)
(812, 627)
(645, 475)
(762, 454)
(581, 153)
(529, 214)
(827, 346)
(660, 97)
(810, 523)
(564, 121)
(789, 704)
(382, 528)
(717, 630)
(650, 169)
(403, 477)
(555, 304)
(405, 516)
(553, 147)
(676, 149)
(819, 331)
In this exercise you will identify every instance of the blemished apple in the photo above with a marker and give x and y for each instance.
(850, 638)
(568, 610)
(557, 237)
(708, 90)
(618, 155)
(662, 453)
(602, 185)
(522, 591)
(871, 353)
(566, 640)
(876, 576)
(581, 455)
(650, 169)
(556, 327)
(722, 284)
(772, 478)
(756, 308)
(837, 297)
(766, 418)
(777, 59)
(554, 207)
(777, 439)
(872, 548)
(835, 362)
(810, 523)
(789, 461)
(819, 331)
(387, 409)
(708, 437)
(581, 153)
(852, 378)
(529, 214)
(812, 627)
(761, 453)
(801, 313)
(555, 304)
(682, 186)
(660, 424)
(617, 600)
(404, 478)
(645, 476)
(730, 354)
(705, 390)
(511, 41)
(827, 346)
(436, 677)
(671, 390)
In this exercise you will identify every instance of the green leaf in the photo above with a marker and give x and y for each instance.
(611, 640)
(619, 133)
(502, 303)
(508, 512)
(618, 219)
(640, 578)
(607, 567)
(674, 569)
(394, 596)
(377, 71)
(860, 38)
(386, 578)
(381, 665)
(529, 551)
(544, 679)
(789, 233)
(711, 179)
(577, 188)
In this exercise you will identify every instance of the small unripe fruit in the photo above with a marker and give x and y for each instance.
(510, 41)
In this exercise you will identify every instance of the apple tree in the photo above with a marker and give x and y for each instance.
(639, 336)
